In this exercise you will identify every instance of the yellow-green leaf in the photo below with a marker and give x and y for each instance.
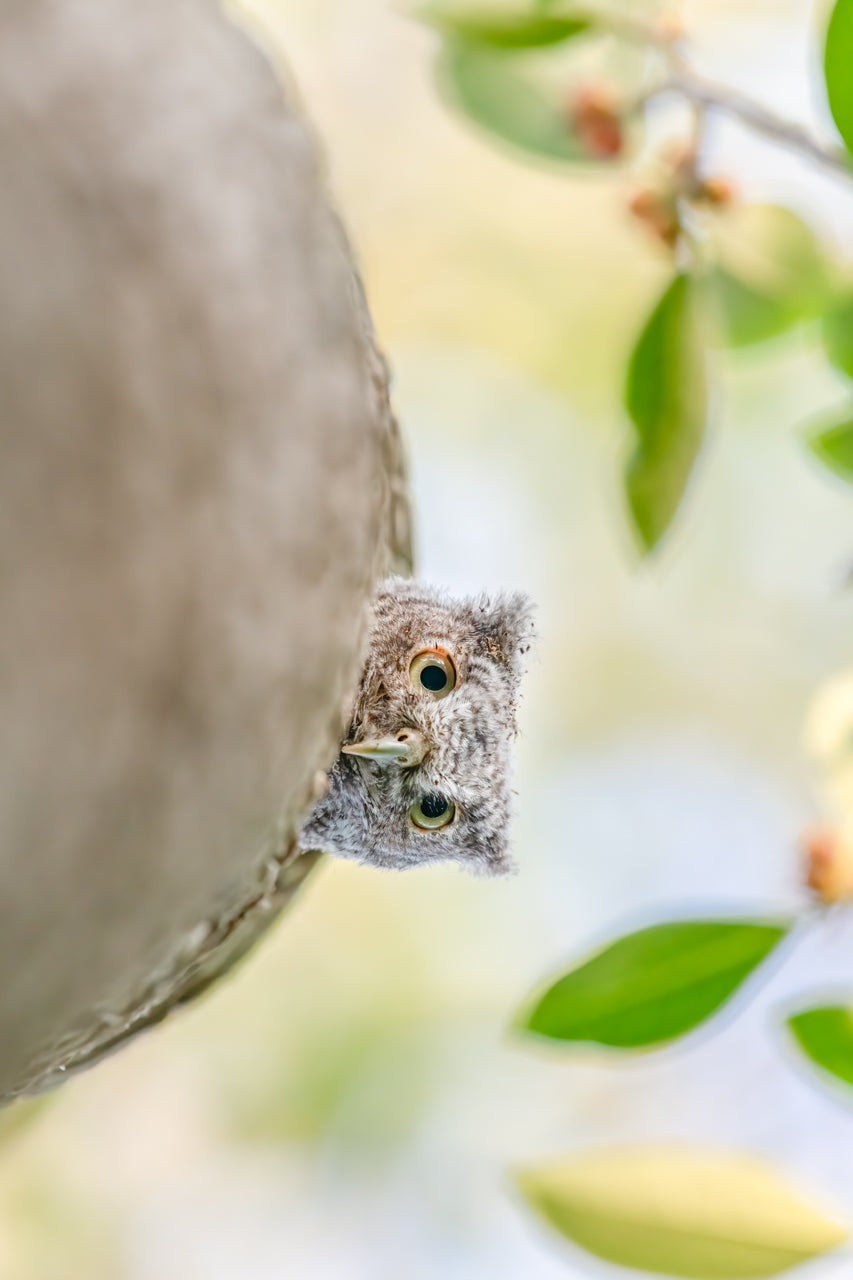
(506, 99)
(748, 316)
(667, 398)
(832, 442)
(837, 332)
(769, 272)
(838, 68)
(678, 1211)
(502, 28)
(653, 985)
(825, 1034)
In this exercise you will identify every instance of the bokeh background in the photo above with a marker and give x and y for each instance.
(347, 1105)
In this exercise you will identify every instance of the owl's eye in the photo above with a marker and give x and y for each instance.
(433, 670)
(431, 812)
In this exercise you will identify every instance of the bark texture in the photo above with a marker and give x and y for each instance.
(200, 484)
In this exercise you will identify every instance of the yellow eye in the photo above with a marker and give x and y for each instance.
(432, 812)
(433, 670)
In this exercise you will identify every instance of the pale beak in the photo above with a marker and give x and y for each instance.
(406, 749)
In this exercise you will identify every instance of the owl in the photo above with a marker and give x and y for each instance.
(424, 772)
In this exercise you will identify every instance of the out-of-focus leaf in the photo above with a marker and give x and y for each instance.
(833, 443)
(769, 272)
(667, 398)
(493, 90)
(749, 317)
(654, 985)
(837, 329)
(826, 1036)
(503, 29)
(837, 66)
(681, 1212)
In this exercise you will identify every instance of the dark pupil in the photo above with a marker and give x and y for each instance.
(433, 806)
(434, 679)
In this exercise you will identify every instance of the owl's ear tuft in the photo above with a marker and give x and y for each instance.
(494, 859)
(506, 625)
(503, 866)
(485, 850)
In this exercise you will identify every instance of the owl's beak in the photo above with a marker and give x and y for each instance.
(408, 748)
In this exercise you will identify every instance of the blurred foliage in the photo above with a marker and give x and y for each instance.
(838, 332)
(503, 30)
(833, 444)
(679, 1212)
(754, 271)
(768, 269)
(378, 1060)
(741, 273)
(505, 100)
(831, 438)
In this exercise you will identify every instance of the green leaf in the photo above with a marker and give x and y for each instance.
(749, 317)
(838, 68)
(769, 272)
(826, 1036)
(837, 333)
(654, 985)
(676, 1211)
(666, 396)
(502, 29)
(833, 444)
(491, 88)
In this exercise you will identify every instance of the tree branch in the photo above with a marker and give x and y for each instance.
(201, 483)
(732, 102)
(711, 95)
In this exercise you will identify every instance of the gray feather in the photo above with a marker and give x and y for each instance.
(468, 733)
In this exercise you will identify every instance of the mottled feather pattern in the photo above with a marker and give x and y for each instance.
(466, 735)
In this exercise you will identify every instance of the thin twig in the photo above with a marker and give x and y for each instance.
(719, 97)
(709, 94)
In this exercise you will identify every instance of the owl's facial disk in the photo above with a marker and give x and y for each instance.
(424, 774)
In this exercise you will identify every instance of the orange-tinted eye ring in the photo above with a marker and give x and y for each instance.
(432, 671)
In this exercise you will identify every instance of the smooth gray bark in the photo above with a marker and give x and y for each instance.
(200, 483)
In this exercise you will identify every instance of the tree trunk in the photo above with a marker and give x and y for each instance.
(200, 484)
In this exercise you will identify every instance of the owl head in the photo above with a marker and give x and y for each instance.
(424, 773)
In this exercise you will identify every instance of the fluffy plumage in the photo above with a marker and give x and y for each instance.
(449, 748)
